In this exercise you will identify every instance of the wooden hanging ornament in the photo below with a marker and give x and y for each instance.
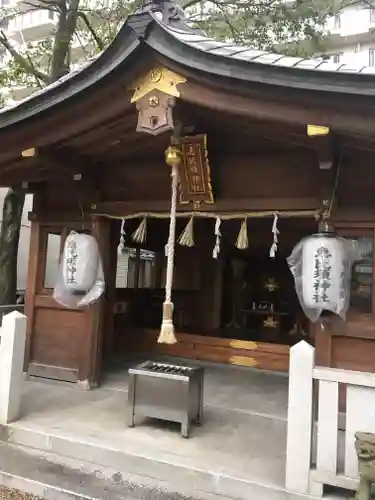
(186, 238)
(140, 234)
(243, 240)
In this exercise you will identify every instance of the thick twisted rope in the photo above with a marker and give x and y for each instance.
(172, 237)
(223, 216)
(167, 335)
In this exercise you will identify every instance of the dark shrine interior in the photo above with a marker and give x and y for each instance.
(244, 295)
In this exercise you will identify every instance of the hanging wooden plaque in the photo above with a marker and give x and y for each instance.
(195, 175)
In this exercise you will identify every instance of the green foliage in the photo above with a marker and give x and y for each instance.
(266, 25)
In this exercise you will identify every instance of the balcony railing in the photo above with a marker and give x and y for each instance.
(33, 19)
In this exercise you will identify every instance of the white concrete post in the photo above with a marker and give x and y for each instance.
(300, 418)
(12, 353)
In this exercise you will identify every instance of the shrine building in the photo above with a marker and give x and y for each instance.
(270, 147)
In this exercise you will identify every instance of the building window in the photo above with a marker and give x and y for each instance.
(371, 57)
(52, 259)
(372, 16)
(337, 57)
(362, 276)
(337, 21)
(135, 269)
(357, 48)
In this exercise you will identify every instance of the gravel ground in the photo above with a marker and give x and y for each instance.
(6, 494)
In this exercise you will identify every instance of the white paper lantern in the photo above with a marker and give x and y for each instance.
(324, 272)
(80, 262)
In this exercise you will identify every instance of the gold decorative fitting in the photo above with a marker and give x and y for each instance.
(153, 101)
(314, 130)
(247, 345)
(270, 322)
(156, 75)
(243, 361)
(271, 285)
(172, 156)
(28, 153)
(157, 79)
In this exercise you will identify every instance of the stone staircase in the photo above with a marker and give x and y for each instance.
(54, 467)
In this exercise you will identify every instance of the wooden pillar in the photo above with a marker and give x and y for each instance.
(90, 370)
(36, 261)
(110, 294)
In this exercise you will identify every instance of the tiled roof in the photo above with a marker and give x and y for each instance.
(209, 45)
(182, 32)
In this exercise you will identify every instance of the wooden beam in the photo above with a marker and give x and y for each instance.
(119, 208)
(321, 141)
(80, 169)
(344, 114)
(61, 159)
(62, 219)
(354, 217)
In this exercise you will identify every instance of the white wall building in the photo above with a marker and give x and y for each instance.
(352, 36)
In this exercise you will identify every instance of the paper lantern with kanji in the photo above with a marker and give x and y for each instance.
(80, 262)
(321, 266)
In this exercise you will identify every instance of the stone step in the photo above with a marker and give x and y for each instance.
(47, 479)
(84, 463)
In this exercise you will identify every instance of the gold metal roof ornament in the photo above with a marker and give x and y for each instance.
(161, 79)
(154, 95)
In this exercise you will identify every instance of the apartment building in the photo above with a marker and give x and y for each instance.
(351, 37)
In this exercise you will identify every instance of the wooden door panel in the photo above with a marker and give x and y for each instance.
(54, 330)
(62, 342)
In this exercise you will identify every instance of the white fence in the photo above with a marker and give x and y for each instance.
(12, 353)
(318, 452)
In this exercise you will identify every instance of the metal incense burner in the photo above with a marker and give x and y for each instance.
(167, 392)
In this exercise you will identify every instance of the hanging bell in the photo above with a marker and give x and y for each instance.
(173, 156)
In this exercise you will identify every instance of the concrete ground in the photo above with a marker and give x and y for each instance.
(238, 452)
(243, 436)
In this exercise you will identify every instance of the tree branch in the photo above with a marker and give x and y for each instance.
(25, 63)
(95, 36)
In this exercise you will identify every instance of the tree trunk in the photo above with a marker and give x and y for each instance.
(15, 198)
(9, 239)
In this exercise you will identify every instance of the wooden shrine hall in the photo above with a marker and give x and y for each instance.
(268, 148)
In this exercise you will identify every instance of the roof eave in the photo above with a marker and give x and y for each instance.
(163, 41)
